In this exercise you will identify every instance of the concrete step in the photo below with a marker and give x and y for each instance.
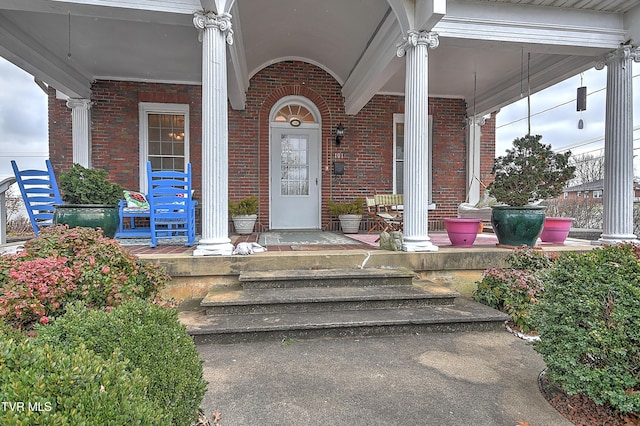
(325, 278)
(323, 299)
(463, 315)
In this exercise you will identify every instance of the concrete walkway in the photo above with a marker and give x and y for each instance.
(475, 379)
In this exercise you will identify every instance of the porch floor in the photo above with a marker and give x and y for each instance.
(303, 241)
(293, 241)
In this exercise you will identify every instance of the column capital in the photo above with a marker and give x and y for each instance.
(623, 53)
(477, 120)
(203, 20)
(79, 103)
(415, 38)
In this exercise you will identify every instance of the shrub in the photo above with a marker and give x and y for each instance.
(151, 338)
(105, 272)
(42, 384)
(354, 207)
(245, 207)
(514, 289)
(589, 325)
(529, 171)
(65, 264)
(33, 289)
(88, 186)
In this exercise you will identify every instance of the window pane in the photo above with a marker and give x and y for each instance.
(294, 175)
(166, 141)
(154, 120)
(154, 148)
(399, 158)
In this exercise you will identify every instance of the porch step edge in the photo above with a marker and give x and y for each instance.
(325, 278)
(315, 299)
(464, 315)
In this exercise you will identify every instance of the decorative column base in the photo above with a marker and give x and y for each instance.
(612, 239)
(415, 244)
(214, 248)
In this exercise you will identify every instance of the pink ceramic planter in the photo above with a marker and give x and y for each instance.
(556, 229)
(462, 232)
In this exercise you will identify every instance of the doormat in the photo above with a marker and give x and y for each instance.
(303, 238)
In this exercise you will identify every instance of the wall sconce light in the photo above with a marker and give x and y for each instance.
(339, 134)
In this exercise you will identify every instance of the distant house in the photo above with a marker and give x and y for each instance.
(595, 190)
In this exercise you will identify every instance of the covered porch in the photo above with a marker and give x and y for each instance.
(427, 74)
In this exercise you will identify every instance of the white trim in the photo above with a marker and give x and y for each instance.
(146, 108)
(172, 6)
(273, 61)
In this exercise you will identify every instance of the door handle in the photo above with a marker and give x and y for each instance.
(316, 181)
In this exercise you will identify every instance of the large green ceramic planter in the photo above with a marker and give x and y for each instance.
(93, 216)
(515, 226)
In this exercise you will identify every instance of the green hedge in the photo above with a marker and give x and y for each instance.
(47, 385)
(589, 325)
(151, 338)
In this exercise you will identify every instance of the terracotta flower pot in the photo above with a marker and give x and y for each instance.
(462, 232)
(556, 229)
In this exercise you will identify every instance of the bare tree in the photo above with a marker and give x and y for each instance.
(589, 168)
(17, 221)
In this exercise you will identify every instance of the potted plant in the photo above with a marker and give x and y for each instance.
(529, 172)
(462, 232)
(244, 214)
(349, 214)
(556, 229)
(91, 200)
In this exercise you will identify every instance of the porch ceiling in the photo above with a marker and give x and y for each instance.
(482, 43)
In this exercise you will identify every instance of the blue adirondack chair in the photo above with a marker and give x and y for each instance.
(171, 208)
(40, 193)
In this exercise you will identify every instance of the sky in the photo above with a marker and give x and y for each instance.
(23, 117)
(23, 120)
(554, 116)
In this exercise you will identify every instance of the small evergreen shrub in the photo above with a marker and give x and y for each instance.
(80, 185)
(65, 264)
(589, 325)
(353, 207)
(514, 289)
(47, 385)
(151, 338)
(245, 207)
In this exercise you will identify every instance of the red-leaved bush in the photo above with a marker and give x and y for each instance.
(64, 265)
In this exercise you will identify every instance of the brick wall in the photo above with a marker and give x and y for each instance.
(366, 150)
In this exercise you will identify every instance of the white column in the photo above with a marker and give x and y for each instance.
(215, 32)
(474, 191)
(416, 139)
(618, 146)
(80, 130)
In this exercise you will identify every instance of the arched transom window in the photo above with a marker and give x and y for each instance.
(294, 114)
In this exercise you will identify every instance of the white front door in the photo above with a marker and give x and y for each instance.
(295, 178)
